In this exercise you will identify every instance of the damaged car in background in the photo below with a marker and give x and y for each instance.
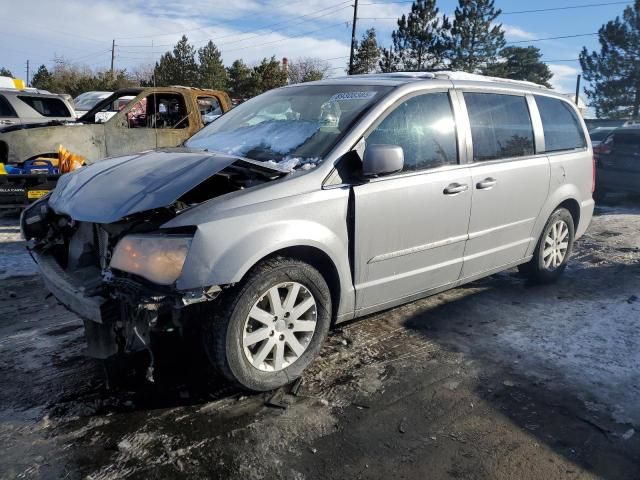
(305, 206)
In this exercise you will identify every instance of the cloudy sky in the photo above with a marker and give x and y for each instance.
(82, 31)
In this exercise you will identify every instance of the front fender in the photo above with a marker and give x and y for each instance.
(225, 249)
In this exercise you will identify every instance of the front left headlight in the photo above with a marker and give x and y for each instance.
(158, 258)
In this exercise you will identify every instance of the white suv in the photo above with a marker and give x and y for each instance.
(21, 107)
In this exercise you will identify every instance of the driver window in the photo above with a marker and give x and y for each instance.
(424, 127)
(162, 110)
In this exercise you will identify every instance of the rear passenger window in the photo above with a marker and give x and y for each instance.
(562, 129)
(425, 129)
(500, 126)
(46, 106)
(6, 110)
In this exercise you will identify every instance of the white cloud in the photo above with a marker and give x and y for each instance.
(512, 32)
(135, 25)
(564, 77)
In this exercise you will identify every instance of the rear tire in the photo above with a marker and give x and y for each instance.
(553, 249)
(269, 327)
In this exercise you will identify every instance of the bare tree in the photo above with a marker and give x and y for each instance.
(307, 69)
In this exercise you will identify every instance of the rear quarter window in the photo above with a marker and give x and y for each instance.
(46, 106)
(561, 126)
(6, 110)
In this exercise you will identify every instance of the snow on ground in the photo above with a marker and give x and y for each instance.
(14, 259)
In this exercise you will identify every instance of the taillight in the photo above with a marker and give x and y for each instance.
(602, 149)
(593, 173)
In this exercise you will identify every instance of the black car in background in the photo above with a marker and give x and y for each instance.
(618, 162)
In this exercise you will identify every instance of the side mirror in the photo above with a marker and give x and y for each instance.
(382, 160)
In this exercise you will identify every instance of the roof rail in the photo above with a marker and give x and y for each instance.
(454, 75)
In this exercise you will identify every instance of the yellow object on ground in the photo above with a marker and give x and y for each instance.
(68, 161)
(3, 171)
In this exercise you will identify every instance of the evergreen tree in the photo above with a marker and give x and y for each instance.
(178, 67)
(267, 75)
(475, 40)
(212, 72)
(42, 78)
(389, 61)
(520, 63)
(5, 72)
(614, 72)
(420, 41)
(367, 54)
(240, 81)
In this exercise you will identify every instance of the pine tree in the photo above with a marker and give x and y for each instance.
(389, 61)
(420, 41)
(520, 63)
(179, 66)
(5, 72)
(367, 54)
(212, 73)
(614, 72)
(475, 40)
(267, 75)
(240, 81)
(42, 78)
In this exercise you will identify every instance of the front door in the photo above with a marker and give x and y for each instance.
(510, 182)
(411, 227)
(155, 121)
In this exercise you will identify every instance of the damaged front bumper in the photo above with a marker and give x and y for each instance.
(70, 291)
(118, 312)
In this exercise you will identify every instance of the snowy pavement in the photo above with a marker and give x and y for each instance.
(496, 379)
(14, 259)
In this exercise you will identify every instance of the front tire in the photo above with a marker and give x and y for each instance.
(553, 249)
(267, 329)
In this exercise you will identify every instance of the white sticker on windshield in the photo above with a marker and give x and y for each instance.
(340, 97)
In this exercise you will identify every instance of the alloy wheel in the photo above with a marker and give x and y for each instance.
(556, 244)
(279, 327)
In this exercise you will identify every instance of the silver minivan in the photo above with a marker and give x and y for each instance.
(311, 205)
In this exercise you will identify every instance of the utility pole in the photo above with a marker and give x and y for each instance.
(113, 55)
(27, 73)
(578, 89)
(353, 36)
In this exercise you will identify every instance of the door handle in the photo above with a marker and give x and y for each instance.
(6, 122)
(455, 188)
(486, 184)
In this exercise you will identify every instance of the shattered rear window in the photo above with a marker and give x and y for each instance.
(292, 127)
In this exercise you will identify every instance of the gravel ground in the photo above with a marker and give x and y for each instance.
(496, 379)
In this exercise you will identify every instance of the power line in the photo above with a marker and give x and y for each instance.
(226, 24)
(553, 38)
(572, 7)
(333, 9)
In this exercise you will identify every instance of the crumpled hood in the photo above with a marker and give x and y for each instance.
(111, 189)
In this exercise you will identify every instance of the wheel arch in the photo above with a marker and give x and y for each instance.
(573, 206)
(565, 197)
(318, 259)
